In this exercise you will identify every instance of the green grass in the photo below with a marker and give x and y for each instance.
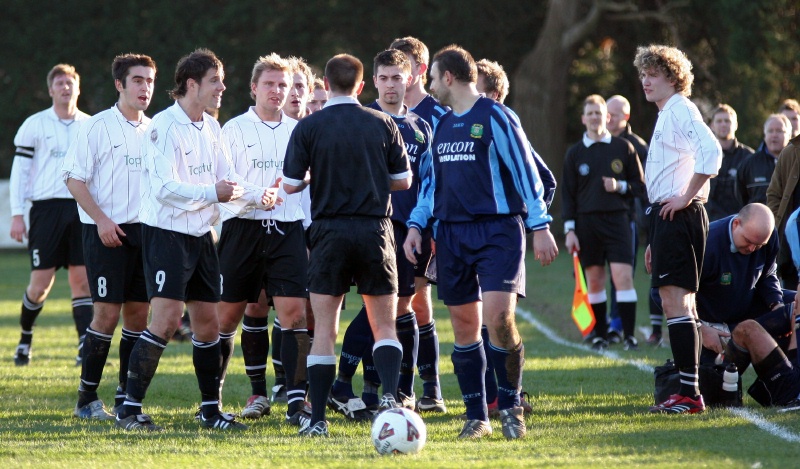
(589, 410)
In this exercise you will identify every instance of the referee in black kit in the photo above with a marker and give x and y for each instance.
(355, 157)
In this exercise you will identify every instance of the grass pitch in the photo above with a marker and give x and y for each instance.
(590, 410)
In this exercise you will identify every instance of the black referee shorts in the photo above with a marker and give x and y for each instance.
(677, 246)
(349, 249)
(604, 237)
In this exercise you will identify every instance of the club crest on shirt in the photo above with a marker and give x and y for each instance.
(726, 278)
(616, 166)
(154, 135)
(476, 131)
(583, 169)
(419, 136)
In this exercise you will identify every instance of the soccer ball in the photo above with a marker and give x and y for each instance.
(398, 431)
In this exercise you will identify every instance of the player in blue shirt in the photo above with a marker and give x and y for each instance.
(485, 192)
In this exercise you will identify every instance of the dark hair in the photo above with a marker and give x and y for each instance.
(458, 62)
(123, 63)
(344, 72)
(415, 48)
(390, 58)
(193, 66)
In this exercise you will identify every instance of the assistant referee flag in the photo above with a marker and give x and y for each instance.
(582, 312)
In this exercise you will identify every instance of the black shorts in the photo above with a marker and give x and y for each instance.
(677, 246)
(782, 380)
(352, 249)
(604, 237)
(424, 257)
(405, 270)
(484, 255)
(56, 236)
(116, 275)
(256, 254)
(180, 266)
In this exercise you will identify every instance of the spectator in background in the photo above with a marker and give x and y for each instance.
(791, 109)
(754, 174)
(722, 200)
(783, 197)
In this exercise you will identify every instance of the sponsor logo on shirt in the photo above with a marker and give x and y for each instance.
(203, 168)
(268, 164)
(456, 151)
(135, 161)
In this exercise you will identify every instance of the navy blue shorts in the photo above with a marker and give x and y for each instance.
(180, 266)
(116, 275)
(484, 255)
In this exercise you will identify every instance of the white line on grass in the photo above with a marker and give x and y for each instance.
(746, 414)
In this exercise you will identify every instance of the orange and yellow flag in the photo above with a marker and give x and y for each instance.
(582, 312)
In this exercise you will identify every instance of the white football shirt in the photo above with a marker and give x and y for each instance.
(105, 156)
(181, 162)
(682, 145)
(257, 150)
(42, 142)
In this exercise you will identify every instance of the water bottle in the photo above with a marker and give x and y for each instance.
(730, 384)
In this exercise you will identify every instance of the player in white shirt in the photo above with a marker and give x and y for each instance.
(301, 90)
(684, 154)
(54, 239)
(186, 173)
(318, 97)
(102, 170)
(265, 249)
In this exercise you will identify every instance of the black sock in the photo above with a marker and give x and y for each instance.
(207, 360)
(141, 369)
(82, 311)
(627, 314)
(255, 345)
(27, 318)
(321, 373)
(95, 353)
(601, 322)
(508, 366)
(656, 316)
(684, 342)
(372, 381)
(469, 366)
(277, 362)
(428, 360)
(737, 355)
(294, 351)
(126, 343)
(408, 336)
(226, 344)
(388, 354)
(489, 378)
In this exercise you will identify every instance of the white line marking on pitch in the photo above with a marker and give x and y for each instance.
(752, 417)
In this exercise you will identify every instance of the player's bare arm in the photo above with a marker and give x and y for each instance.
(400, 184)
